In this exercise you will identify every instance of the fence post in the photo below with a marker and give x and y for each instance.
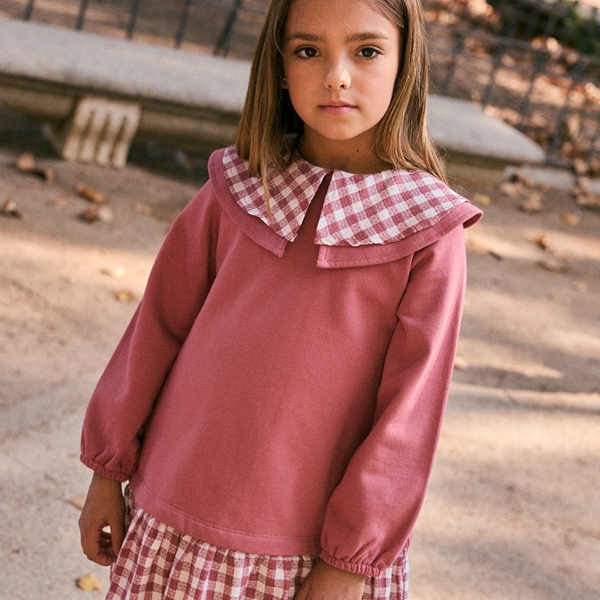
(224, 41)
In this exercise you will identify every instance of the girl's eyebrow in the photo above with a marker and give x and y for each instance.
(355, 37)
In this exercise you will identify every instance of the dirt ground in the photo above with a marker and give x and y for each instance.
(513, 507)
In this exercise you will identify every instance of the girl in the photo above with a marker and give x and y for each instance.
(276, 400)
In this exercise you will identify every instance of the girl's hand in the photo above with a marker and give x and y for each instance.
(325, 582)
(104, 507)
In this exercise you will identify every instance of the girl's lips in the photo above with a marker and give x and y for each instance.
(337, 108)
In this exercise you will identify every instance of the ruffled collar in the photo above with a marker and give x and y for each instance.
(358, 210)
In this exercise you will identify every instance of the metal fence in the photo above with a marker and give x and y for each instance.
(226, 28)
(506, 59)
(550, 93)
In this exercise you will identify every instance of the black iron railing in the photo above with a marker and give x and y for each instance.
(550, 93)
(228, 27)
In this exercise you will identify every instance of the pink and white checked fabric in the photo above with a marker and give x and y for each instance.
(290, 192)
(157, 562)
(359, 210)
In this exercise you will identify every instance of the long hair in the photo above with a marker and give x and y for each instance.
(268, 117)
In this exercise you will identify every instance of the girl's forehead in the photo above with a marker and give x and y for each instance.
(334, 14)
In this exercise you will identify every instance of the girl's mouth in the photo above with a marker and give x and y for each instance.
(337, 108)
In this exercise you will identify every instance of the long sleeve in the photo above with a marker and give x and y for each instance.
(372, 511)
(177, 287)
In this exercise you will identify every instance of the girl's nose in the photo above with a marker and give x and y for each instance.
(337, 77)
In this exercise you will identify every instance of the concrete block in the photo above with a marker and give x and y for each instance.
(100, 131)
(466, 132)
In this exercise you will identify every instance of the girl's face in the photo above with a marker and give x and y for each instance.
(340, 59)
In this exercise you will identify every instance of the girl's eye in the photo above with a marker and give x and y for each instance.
(306, 53)
(369, 52)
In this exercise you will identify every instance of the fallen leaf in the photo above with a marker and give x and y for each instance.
(587, 201)
(516, 176)
(10, 209)
(512, 190)
(554, 265)
(89, 583)
(124, 296)
(89, 193)
(481, 199)
(143, 209)
(77, 501)
(543, 241)
(495, 255)
(26, 164)
(26, 161)
(580, 166)
(114, 272)
(533, 204)
(585, 184)
(95, 214)
(59, 202)
(574, 126)
(594, 167)
(461, 364)
(571, 219)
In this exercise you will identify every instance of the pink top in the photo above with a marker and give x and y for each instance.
(285, 397)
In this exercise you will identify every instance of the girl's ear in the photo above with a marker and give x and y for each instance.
(284, 83)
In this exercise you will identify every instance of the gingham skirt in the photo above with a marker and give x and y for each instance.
(157, 562)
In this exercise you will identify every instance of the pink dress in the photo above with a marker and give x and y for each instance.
(281, 387)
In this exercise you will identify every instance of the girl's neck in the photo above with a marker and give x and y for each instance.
(351, 156)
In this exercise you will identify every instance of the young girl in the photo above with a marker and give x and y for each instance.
(276, 400)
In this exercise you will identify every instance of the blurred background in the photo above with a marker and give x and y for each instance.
(533, 63)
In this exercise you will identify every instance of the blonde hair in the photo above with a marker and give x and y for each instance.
(268, 117)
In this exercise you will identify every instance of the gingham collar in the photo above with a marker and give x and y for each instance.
(358, 210)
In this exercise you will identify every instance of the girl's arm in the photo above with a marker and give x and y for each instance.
(371, 513)
(178, 285)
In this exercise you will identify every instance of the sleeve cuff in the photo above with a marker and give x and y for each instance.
(367, 570)
(102, 470)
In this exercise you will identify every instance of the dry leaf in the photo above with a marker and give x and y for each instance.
(89, 193)
(585, 184)
(114, 272)
(588, 201)
(95, 214)
(543, 241)
(580, 166)
(571, 219)
(533, 204)
(516, 176)
(26, 164)
(143, 209)
(59, 202)
(461, 364)
(512, 190)
(77, 501)
(89, 583)
(10, 209)
(481, 199)
(594, 167)
(124, 296)
(554, 265)
(573, 125)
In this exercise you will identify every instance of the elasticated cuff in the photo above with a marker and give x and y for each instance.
(368, 570)
(102, 470)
